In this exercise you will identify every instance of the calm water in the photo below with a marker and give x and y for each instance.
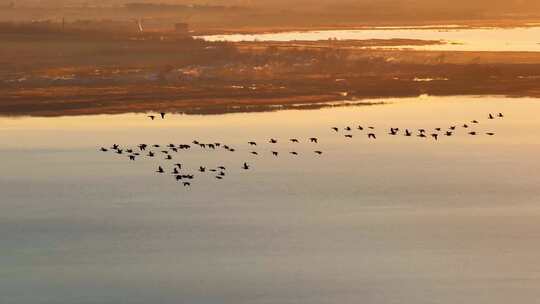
(396, 220)
(476, 39)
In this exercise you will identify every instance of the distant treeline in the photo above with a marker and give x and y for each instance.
(164, 6)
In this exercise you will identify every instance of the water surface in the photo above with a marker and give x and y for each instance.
(522, 39)
(396, 220)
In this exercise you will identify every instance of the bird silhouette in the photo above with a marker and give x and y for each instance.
(151, 154)
(313, 140)
(132, 157)
(152, 117)
(245, 166)
(372, 136)
(318, 152)
(452, 128)
(162, 115)
(294, 153)
(348, 135)
(103, 149)
(202, 169)
(294, 140)
(360, 128)
(408, 133)
(275, 153)
(160, 170)
(273, 141)
(500, 115)
(252, 143)
(435, 136)
(179, 166)
(472, 133)
(448, 133)
(348, 129)
(335, 129)
(254, 153)
(490, 116)
(168, 157)
(475, 121)
(490, 133)
(187, 184)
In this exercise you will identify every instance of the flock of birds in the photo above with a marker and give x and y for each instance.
(181, 175)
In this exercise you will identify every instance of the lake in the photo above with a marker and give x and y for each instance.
(393, 220)
(517, 39)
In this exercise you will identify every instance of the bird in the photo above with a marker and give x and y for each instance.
(168, 157)
(360, 128)
(408, 133)
(254, 153)
(160, 170)
(132, 157)
(465, 126)
(187, 184)
(448, 133)
(222, 168)
(252, 143)
(318, 152)
(313, 140)
(472, 133)
(175, 171)
(435, 136)
(335, 129)
(151, 154)
(294, 153)
(475, 121)
(490, 116)
(421, 130)
(422, 135)
(275, 153)
(103, 149)
(500, 115)
(348, 129)
(294, 140)
(162, 115)
(348, 135)
(437, 129)
(372, 135)
(393, 131)
(219, 177)
(452, 128)
(202, 169)
(245, 166)
(179, 166)
(142, 147)
(114, 147)
(273, 141)
(152, 117)
(490, 133)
